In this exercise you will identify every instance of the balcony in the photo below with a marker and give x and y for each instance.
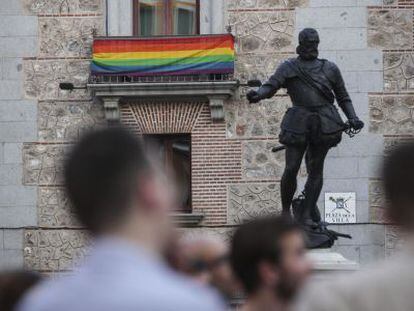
(163, 67)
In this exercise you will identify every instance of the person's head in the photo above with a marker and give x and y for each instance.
(269, 255)
(398, 181)
(14, 285)
(308, 44)
(206, 259)
(113, 186)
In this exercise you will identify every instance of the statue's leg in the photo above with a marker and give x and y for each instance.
(288, 184)
(315, 158)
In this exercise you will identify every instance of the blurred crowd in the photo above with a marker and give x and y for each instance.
(139, 261)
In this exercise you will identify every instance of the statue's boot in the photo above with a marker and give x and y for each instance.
(305, 215)
(316, 214)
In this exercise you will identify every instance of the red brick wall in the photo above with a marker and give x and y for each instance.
(216, 162)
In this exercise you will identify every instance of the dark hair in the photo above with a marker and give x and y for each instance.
(398, 181)
(255, 242)
(102, 173)
(14, 285)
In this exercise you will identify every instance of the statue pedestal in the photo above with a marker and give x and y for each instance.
(328, 263)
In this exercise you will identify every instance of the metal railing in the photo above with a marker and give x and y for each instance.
(115, 79)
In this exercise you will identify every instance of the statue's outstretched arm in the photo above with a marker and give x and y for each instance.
(270, 87)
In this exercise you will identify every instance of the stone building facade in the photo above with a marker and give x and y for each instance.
(234, 175)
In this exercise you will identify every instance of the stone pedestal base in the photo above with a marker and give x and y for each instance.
(328, 263)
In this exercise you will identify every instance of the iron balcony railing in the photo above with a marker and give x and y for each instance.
(100, 79)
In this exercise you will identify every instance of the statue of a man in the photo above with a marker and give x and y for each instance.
(313, 125)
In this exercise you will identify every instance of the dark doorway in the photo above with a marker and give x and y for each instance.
(174, 152)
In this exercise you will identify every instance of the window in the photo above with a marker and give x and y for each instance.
(174, 151)
(166, 17)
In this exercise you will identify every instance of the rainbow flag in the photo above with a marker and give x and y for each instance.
(158, 56)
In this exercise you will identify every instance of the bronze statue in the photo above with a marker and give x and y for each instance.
(310, 128)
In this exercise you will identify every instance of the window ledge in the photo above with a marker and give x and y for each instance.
(216, 92)
(187, 220)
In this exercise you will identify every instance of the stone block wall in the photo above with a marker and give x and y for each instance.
(63, 32)
(391, 31)
(54, 250)
(18, 124)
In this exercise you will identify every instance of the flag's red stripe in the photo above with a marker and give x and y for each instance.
(170, 44)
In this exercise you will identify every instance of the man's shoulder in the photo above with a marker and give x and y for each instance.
(42, 296)
(159, 291)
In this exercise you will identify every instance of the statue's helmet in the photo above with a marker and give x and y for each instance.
(308, 44)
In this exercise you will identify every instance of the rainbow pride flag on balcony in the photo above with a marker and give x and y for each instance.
(158, 56)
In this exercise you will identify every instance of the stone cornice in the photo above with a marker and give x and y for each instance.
(216, 92)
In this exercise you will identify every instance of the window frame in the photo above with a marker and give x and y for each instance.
(168, 27)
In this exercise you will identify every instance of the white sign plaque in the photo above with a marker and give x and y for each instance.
(340, 207)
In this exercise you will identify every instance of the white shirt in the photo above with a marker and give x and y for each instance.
(118, 276)
(386, 287)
